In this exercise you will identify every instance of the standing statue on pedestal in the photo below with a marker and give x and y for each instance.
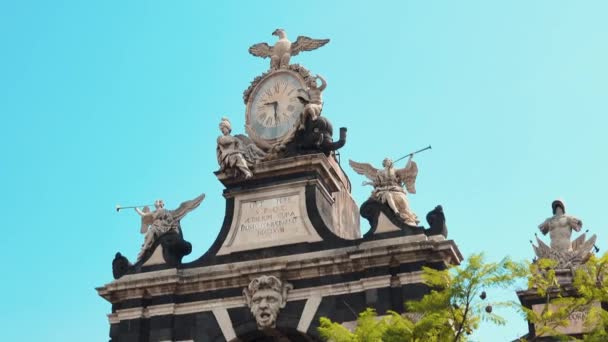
(559, 227)
(161, 221)
(283, 49)
(235, 154)
(388, 186)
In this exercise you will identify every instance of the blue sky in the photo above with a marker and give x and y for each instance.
(113, 102)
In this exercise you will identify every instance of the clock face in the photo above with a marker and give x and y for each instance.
(274, 107)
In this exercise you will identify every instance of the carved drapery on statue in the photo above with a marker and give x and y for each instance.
(162, 221)
(388, 186)
(235, 154)
(266, 296)
(567, 253)
(161, 228)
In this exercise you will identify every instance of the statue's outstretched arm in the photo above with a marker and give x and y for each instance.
(544, 227)
(575, 223)
(408, 165)
(323, 82)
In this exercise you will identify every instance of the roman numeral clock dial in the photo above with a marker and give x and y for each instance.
(274, 107)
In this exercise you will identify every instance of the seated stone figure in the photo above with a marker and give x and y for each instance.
(235, 154)
(315, 136)
(313, 133)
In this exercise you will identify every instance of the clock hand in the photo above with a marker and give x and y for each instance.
(274, 104)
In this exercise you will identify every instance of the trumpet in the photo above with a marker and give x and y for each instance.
(118, 207)
(411, 154)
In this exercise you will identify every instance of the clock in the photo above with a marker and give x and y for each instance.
(273, 107)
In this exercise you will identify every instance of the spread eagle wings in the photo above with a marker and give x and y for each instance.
(261, 50)
(186, 207)
(365, 169)
(304, 43)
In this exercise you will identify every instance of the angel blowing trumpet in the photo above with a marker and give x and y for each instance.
(388, 185)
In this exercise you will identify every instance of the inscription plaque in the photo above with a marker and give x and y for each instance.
(576, 320)
(270, 220)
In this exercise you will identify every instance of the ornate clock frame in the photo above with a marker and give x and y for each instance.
(295, 70)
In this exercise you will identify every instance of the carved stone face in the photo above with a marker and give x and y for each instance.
(559, 211)
(265, 296)
(387, 162)
(159, 204)
(265, 306)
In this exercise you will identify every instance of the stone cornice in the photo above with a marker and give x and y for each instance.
(238, 301)
(334, 262)
(327, 168)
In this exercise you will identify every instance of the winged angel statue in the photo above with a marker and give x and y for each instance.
(388, 185)
(161, 221)
(283, 49)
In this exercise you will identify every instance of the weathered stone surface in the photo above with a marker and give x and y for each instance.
(568, 254)
(270, 217)
(576, 320)
(290, 220)
(388, 186)
(333, 202)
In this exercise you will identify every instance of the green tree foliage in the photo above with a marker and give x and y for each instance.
(584, 294)
(451, 310)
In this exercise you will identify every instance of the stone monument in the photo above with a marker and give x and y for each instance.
(568, 255)
(290, 248)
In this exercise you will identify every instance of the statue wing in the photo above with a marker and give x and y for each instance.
(187, 207)
(582, 248)
(146, 220)
(542, 250)
(580, 244)
(408, 176)
(365, 169)
(245, 140)
(261, 50)
(304, 43)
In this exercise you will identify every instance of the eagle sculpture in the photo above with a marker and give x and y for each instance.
(283, 49)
